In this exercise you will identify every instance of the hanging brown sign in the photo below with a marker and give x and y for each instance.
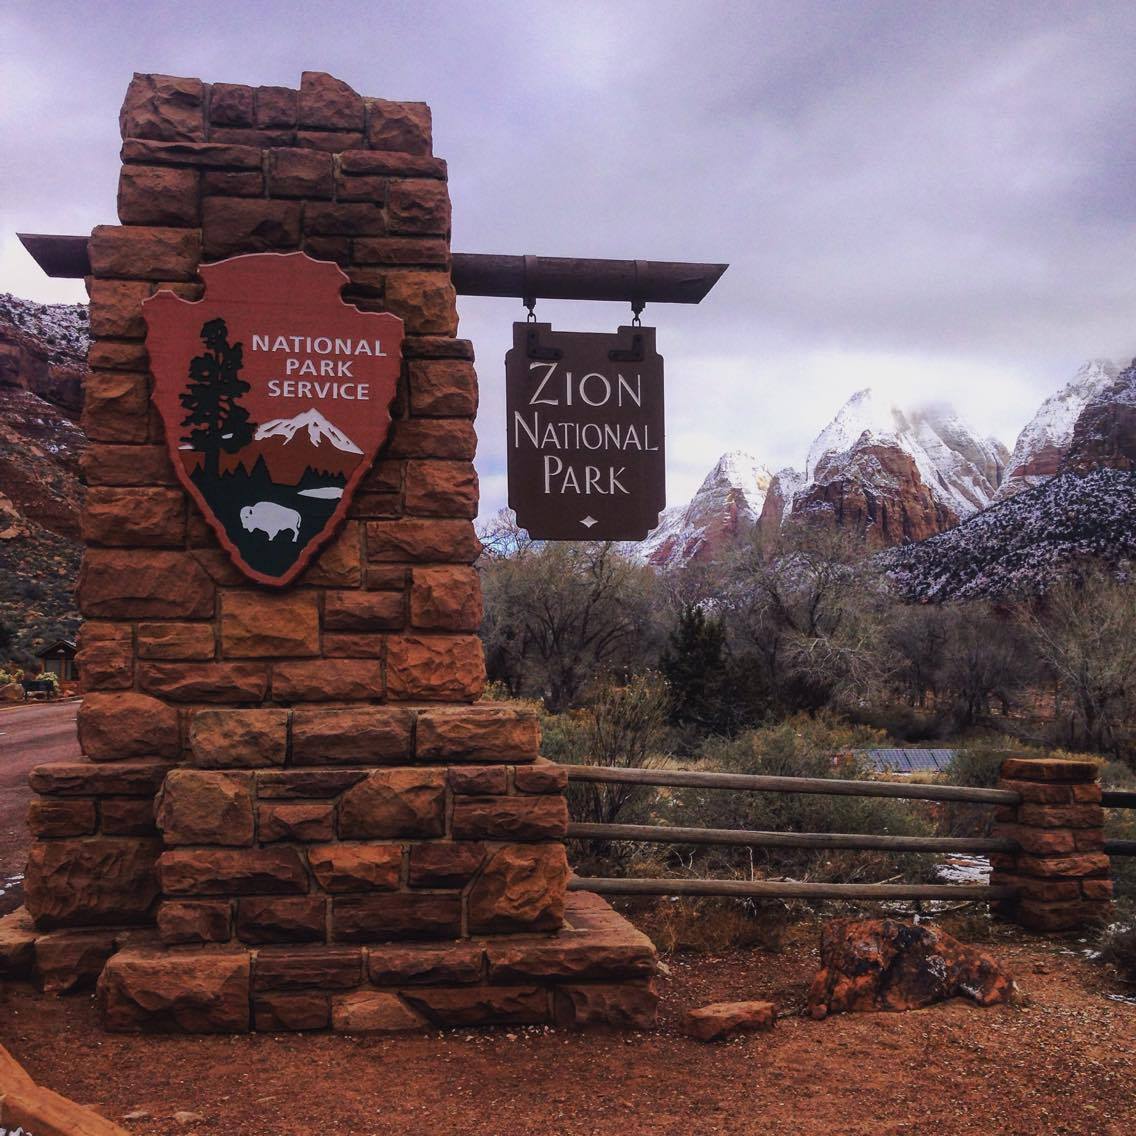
(275, 396)
(585, 417)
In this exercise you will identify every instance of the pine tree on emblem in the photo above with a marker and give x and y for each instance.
(216, 420)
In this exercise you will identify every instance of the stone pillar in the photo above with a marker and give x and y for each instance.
(1061, 867)
(280, 781)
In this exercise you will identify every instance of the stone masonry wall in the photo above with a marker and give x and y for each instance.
(187, 662)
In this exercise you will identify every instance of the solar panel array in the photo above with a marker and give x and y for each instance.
(909, 760)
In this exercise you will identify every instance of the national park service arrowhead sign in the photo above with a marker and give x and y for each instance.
(275, 395)
(585, 414)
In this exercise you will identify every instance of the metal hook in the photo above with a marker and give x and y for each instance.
(530, 287)
(638, 303)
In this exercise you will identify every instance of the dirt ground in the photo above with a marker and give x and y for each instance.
(1061, 1060)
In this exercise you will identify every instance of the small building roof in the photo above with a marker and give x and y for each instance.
(59, 647)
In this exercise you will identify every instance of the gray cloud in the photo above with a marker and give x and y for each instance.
(932, 198)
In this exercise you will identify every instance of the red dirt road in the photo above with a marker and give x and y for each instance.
(29, 735)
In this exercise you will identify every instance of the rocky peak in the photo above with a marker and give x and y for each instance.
(1042, 444)
(1104, 435)
(43, 349)
(726, 506)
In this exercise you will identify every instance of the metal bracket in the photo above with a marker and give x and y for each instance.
(632, 355)
(533, 348)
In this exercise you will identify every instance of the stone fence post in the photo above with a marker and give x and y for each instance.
(1060, 866)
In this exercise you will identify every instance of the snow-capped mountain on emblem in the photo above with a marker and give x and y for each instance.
(725, 508)
(317, 426)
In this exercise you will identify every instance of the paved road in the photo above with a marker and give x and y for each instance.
(29, 735)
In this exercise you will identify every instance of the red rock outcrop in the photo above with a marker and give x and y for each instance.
(1104, 435)
(883, 964)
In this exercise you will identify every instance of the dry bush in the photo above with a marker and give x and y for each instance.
(711, 925)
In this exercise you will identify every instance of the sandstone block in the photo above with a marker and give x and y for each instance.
(137, 518)
(362, 188)
(1082, 864)
(242, 739)
(542, 777)
(204, 991)
(362, 735)
(424, 301)
(176, 641)
(158, 195)
(300, 173)
(450, 965)
(329, 103)
(92, 882)
(444, 864)
(1037, 915)
(479, 780)
(441, 488)
(404, 252)
(231, 104)
(233, 183)
(446, 599)
(1040, 792)
(484, 732)
(296, 822)
(1097, 889)
(373, 1011)
(327, 968)
(207, 155)
(307, 782)
(32, 1109)
(443, 387)
(437, 667)
(1088, 839)
(510, 818)
(198, 806)
(85, 779)
(164, 107)
(17, 944)
(145, 252)
(117, 355)
(235, 225)
(404, 127)
(339, 564)
(392, 803)
(352, 645)
(437, 347)
(277, 106)
(272, 919)
(184, 922)
(328, 680)
(69, 960)
(481, 1005)
(347, 219)
(1061, 816)
(521, 888)
(399, 915)
(121, 724)
(419, 206)
(392, 163)
(386, 577)
(449, 439)
(724, 1020)
(1039, 841)
(257, 624)
(609, 955)
(1048, 769)
(126, 465)
(232, 871)
(151, 585)
(205, 682)
(412, 539)
(116, 308)
(127, 816)
(356, 867)
(275, 1013)
(54, 817)
(364, 611)
(116, 407)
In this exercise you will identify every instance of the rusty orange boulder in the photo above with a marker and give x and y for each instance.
(883, 964)
(724, 1020)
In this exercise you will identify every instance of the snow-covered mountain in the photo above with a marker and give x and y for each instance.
(726, 506)
(317, 426)
(1043, 443)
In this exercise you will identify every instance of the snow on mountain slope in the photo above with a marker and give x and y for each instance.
(726, 506)
(1017, 547)
(959, 468)
(1042, 444)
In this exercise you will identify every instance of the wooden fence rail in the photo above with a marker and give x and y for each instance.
(686, 778)
(668, 834)
(789, 889)
(1119, 799)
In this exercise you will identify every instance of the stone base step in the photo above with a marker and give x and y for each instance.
(597, 970)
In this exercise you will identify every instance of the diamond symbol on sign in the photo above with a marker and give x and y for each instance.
(588, 521)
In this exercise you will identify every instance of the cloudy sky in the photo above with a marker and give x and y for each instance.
(934, 199)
